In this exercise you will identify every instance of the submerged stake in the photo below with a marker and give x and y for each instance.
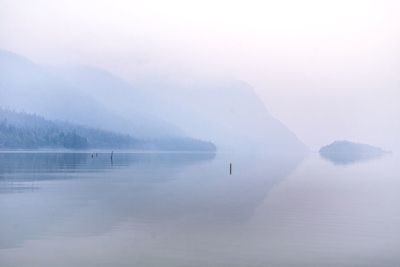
(230, 168)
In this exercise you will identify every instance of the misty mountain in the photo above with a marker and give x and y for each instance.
(229, 114)
(33, 88)
(26, 131)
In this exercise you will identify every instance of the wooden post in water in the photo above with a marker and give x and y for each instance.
(112, 154)
(230, 168)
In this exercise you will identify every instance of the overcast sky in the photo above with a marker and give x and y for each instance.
(327, 69)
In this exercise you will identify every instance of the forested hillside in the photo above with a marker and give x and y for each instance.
(27, 131)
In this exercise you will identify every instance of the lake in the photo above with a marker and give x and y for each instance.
(185, 209)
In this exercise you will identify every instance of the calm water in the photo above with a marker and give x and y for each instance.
(69, 209)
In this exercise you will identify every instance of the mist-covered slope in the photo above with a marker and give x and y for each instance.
(26, 131)
(33, 88)
(229, 114)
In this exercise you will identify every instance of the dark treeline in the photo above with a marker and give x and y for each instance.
(26, 131)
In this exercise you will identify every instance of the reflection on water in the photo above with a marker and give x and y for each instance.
(350, 158)
(72, 209)
(46, 162)
(139, 186)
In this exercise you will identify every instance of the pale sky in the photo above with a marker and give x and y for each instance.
(327, 69)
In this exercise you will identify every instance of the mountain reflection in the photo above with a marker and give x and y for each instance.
(53, 162)
(95, 195)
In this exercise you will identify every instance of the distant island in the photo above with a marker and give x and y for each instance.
(345, 152)
(20, 130)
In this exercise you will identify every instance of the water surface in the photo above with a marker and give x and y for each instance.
(184, 209)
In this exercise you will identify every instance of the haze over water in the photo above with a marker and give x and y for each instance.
(258, 86)
(184, 209)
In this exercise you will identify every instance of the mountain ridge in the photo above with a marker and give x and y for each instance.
(228, 113)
